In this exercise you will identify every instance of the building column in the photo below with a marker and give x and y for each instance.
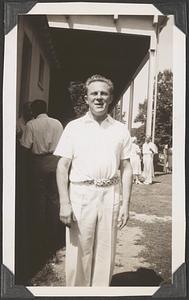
(121, 108)
(131, 98)
(155, 83)
(151, 74)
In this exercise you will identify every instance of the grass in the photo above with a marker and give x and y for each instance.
(157, 243)
(154, 200)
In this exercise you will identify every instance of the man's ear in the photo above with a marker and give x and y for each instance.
(86, 99)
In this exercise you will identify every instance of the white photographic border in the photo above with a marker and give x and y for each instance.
(9, 121)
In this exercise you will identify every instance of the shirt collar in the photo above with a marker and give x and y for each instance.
(88, 118)
(42, 116)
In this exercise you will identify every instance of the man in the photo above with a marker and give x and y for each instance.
(148, 150)
(94, 148)
(40, 139)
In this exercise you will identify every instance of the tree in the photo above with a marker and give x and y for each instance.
(142, 108)
(139, 133)
(163, 128)
(77, 93)
(141, 117)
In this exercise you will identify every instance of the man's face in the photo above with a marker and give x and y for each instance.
(98, 98)
(147, 139)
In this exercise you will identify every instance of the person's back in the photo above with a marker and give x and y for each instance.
(41, 134)
(40, 138)
(46, 132)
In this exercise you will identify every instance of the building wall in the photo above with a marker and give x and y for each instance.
(35, 89)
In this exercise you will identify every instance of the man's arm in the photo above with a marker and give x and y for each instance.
(27, 137)
(126, 180)
(66, 213)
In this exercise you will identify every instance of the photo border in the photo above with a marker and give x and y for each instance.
(8, 13)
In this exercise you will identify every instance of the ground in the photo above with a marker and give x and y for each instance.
(143, 256)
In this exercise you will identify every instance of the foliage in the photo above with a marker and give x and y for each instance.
(142, 108)
(163, 129)
(117, 111)
(139, 133)
(77, 93)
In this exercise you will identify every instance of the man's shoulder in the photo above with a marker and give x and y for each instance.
(118, 123)
(30, 122)
(56, 121)
(121, 126)
(75, 122)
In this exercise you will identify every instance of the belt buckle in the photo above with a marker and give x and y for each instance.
(102, 182)
(98, 182)
(106, 182)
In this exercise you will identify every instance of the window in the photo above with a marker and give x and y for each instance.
(41, 72)
(25, 72)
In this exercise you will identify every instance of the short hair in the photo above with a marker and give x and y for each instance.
(39, 106)
(99, 77)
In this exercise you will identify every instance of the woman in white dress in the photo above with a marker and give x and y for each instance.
(135, 160)
(148, 150)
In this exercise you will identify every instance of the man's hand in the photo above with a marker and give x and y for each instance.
(66, 214)
(123, 217)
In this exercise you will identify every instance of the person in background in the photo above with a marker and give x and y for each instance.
(25, 117)
(93, 148)
(165, 162)
(135, 161)
(148, 151)
(170, 154)
(40, 139)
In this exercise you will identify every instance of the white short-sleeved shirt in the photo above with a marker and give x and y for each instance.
(42, 134)
(135, 150)
(95, 150)
(146, 148)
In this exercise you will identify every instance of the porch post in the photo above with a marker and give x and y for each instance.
(155, 83)
(130, 115)
(121, 108)
(151, 73)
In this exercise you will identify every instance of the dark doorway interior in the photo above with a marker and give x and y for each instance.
(82, 53)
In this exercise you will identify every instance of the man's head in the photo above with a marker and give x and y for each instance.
(134, 139)
(99, 95)
(148, 139)
(38, 107)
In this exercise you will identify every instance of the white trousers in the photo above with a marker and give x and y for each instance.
(91, 240)
(148, 167)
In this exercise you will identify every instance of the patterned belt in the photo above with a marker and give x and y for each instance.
(103, 182)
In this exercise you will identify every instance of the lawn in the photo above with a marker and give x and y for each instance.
(155, 201)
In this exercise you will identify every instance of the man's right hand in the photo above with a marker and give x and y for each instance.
(66, 214)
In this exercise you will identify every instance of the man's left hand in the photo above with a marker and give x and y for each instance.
(123, 217)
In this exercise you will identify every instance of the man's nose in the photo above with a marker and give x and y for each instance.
(99, 95)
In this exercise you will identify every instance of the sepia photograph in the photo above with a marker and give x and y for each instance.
(94, 111)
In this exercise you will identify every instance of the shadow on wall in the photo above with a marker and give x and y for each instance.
(142, 277)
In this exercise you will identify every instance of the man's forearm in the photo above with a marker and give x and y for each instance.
(127, 175)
